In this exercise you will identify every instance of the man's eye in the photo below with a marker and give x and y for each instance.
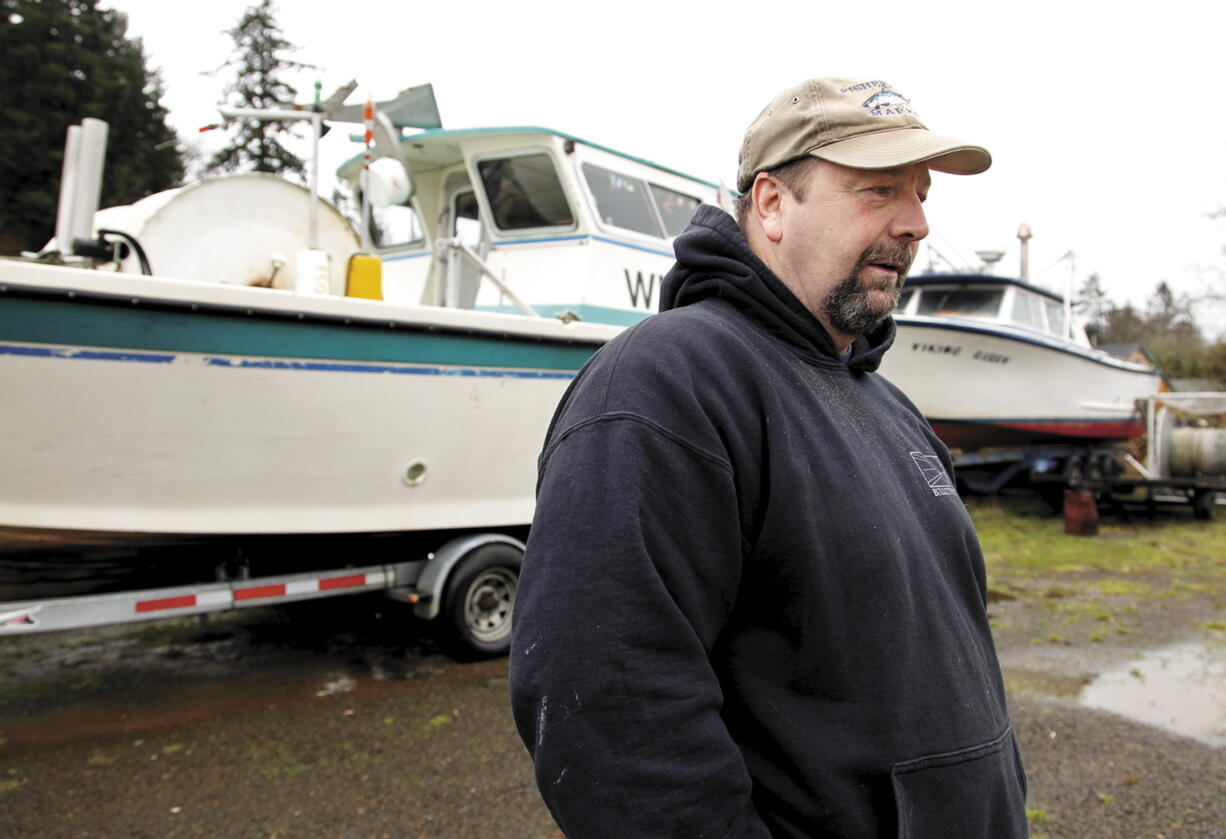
(883, 190)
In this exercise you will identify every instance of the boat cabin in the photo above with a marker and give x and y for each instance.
(988, 301)
(572, 229)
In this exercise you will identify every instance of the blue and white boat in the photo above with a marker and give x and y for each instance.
(249, 383)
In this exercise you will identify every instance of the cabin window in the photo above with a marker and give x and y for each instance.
(395, 226)
(903, 300)
(524, 191)
(1055, 317)
(467, 224)
(1028, 309)
(621, 201)
(961, 302)
(675, 209)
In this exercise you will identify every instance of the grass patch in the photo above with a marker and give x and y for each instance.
(1020, 545)
(1115, 587)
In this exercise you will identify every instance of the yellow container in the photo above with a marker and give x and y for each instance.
(364, 277)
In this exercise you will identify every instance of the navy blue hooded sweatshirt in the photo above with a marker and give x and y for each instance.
(752, 604)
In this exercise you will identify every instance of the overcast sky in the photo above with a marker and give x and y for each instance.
(1106, 133)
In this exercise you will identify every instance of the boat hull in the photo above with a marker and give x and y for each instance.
(143, 406)
(983, 387)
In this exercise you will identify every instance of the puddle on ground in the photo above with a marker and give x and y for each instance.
(1180, 688)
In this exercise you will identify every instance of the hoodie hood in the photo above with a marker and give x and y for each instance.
(715, 260)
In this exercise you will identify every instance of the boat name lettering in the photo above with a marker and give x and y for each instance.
(940, 349)
(638, 287)
(991, 357)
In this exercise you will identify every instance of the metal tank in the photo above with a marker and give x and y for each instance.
(249, 229)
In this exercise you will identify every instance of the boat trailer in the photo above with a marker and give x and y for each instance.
(469, 583)
(1184, 462)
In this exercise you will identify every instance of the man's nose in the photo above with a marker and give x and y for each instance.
(910, 223)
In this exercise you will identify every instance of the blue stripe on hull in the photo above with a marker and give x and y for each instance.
(85, 355)
(325, 367)
(75, 354)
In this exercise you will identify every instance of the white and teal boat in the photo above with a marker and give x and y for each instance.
(245, 383)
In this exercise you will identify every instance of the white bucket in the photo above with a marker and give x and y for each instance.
(312, 272)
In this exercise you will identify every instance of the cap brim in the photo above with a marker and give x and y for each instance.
(904, 146)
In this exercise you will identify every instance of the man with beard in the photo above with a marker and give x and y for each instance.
(752, 604)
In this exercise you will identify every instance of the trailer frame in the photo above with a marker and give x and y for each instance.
(482, 616)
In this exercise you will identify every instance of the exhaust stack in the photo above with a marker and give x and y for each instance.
(1023, 235)
(80, 184)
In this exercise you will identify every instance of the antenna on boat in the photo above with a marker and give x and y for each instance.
(934, 254)
(990, 258)
(1024, 235)
(1068, 294)
(312, 264)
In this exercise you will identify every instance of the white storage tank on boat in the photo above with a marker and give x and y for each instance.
(243, 229)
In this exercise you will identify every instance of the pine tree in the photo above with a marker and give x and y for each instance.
(64, 60)
(259, 67)
(1092, 305)
(1215, 363)
(1167, 329)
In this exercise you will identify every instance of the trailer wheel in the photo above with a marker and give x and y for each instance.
(1080, 471)
(1204, 505)
(479, 600)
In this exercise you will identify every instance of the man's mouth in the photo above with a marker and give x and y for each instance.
(893, 275)
(891, 266)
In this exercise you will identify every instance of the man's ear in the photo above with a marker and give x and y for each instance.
(768, 197)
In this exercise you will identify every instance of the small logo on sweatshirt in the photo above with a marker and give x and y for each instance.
(934, 473)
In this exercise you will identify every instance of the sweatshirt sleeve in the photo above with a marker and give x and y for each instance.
(632, 568)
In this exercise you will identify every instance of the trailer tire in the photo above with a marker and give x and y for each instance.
(1204, 505)
(479, 600)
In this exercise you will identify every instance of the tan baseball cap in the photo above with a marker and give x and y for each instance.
(854, 122)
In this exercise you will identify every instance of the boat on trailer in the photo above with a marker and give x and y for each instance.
(215, 361)
(998, 362)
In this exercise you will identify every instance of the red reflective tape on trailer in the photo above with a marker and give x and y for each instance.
(259, 591)
(166, 603)
(342, 582)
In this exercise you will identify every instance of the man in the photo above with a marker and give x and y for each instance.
(752, 604)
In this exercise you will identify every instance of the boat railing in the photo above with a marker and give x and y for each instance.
(455, 247)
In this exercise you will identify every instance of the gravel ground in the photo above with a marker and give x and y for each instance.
(1094, 774)
(1097, 774)
(274, 724)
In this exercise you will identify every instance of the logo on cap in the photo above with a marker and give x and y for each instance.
(886, 103)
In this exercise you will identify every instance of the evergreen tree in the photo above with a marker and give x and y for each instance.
(64, 60)
(1215, 364)
(259, 67)
(1167, 329)
(1124, 325)
(1093, 307)
(1172, 334)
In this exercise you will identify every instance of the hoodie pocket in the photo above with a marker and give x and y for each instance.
(973, 793)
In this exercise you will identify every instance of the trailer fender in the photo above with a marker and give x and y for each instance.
(433, 580)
